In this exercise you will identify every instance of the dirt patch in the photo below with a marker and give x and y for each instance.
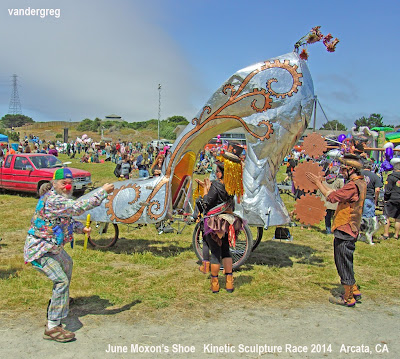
(315, 330)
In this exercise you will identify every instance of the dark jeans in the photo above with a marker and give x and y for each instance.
(328, 218)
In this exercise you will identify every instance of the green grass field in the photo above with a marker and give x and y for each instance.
(156, 274)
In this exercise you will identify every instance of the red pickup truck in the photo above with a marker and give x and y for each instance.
(27, 172)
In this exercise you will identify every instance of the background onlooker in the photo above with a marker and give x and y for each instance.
(374, 183)
(125, 169)
(157, 165)
(392, 199)
(53, 151)
(142, 165)
(334, 182)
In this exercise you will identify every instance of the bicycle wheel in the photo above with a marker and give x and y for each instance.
(260, 231)
(197, 240)
(243, 247)
(239, 253)
(103, 235)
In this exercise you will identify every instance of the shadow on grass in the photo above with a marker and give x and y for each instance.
(242, 280)
(309, 228)
(335, 289)
(280, 254)
(83, 306)
(8, 273)
(160, 248)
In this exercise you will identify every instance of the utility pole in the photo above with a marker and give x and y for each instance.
(159, 109)
(315, 112)
(15, 104)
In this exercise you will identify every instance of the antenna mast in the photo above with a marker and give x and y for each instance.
(15, 104)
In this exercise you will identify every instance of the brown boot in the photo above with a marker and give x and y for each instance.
(347, 299)
(229, 282)
(205, 267)
(214, 278)
(356, 292)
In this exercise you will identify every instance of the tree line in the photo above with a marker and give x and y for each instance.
(374, 120)
(167, 126)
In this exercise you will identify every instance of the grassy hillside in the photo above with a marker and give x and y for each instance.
(49, 130)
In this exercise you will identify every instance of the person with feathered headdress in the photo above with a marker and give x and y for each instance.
(221, 226)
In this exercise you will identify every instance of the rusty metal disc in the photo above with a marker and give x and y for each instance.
(310, 209)
(299, 175)
(314, 145)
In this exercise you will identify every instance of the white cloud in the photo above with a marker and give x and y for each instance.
(98, 58)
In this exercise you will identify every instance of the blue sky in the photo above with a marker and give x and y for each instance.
(108, 57)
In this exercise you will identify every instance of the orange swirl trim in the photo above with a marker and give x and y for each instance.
(235, 98)
(148, 203)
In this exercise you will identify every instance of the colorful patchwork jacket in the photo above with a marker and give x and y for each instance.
(52, 224)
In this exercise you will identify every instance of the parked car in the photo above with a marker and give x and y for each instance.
(160, 144)
(27, 172)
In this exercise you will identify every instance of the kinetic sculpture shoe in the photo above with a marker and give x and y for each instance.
(205, 267)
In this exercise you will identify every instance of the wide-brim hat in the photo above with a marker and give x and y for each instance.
(351, 160)
(395, 160)
(232, 157)
(237, 150)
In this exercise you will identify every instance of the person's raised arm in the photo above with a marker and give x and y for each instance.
(325, 190)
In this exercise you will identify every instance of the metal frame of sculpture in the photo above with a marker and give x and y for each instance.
(273, 102)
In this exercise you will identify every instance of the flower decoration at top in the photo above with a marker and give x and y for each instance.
(312, 37)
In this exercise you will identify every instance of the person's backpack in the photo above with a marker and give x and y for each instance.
(282, 233)
(117, 170)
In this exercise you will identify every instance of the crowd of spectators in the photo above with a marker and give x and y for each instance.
(139, 156)
(383, 192)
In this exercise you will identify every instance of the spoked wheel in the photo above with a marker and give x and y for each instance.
(197, 240)
(260, 231)
(239, 253)
(103, 235)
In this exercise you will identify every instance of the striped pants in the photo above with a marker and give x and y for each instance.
(58, 268)
(343, 252)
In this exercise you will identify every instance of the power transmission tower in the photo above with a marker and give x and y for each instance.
(15, 104)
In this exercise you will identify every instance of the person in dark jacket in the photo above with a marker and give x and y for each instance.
(220, 225)
(374, 183)
(392, 198)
